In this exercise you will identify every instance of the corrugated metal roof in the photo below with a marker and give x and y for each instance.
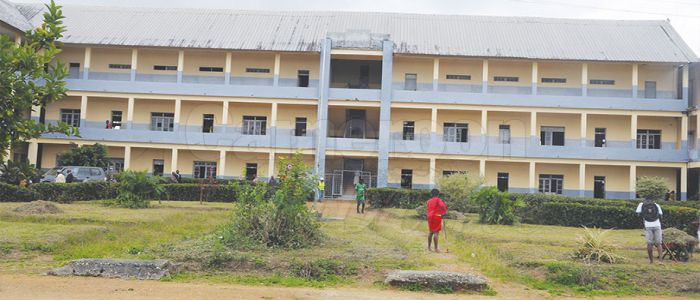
(450, 35)
(11, 16)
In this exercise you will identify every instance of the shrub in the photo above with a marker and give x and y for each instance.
(15, 172)
(69, 192)
(653, 188)
(496, 207)
(595, 247)
(86, 155)
(458, 189)
(396, 198)
(191, 192)
(322, 269)
(135, 189)
(422, 213)
(13, 193)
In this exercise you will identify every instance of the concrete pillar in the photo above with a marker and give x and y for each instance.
(685, 81)
(176, 117)
(633, 182)
(130, 113)
(531, 178)
(273, 125)
(385, 114)
(431, 174)
(276, 73)
(635, 80)
(180, 65)
(322, 108)
(584, 79)
(32, 152)
(533, 129)
(584, 129)
(485, 77)
(582, 180)
(433, 126)
(482, 168)
(173, 160)
(18, 40)
(86, 63)
(436, 73)
(227, 69)
(271, 164)
(484, 126)
(83, 111)
(534, 77)
(134, 63)
(127, 157)
(224, 117)
(221, 169)
(684, 183)
(684, 132)
(697, 134)
(633, 130)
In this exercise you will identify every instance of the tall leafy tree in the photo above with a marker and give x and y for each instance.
(31, 77)
(87, 155)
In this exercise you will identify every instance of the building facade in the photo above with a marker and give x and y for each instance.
(573, 107)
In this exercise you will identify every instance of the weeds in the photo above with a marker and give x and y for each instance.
(595, 246)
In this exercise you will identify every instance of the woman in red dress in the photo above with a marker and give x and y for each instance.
(436, 209)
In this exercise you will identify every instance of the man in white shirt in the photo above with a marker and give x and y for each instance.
(60, 178)
(651, 213)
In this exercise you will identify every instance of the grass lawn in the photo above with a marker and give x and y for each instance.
(360, 249)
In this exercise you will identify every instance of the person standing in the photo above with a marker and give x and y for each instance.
(321, 190)
(70, 178)
(178, 177)
(436, 208)
(360, 191)
(60, 178)
(651, 213)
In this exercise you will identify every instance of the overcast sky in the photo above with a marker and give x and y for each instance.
(684, 14)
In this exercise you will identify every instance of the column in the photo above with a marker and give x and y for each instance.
(273, 125)
(385, 114)
(633, 182)
(180, 65)
(635, 80)
(531, 178)
(431, 173)
(86, 63)
(533, 129)
(685, 81)
(582, 180)
(584, 129)
(436, 73)
(584, 80)
(697, 133)
(322, 108)
(484, 127)
(684, 132)
(83, 111)
(176, 117)
(227, 69)
(32, 152)
(130, 113)
(482, 168)
(276, 71)
(134, 63)
(221, 169)
(684, 183)
(224, 117)
(534, 77)
(18, 40)
(173, 160)
(127, 157)
(485, 77)
(271, 164)
(633, 131)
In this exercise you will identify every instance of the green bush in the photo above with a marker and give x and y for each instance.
(422, 213)
(86, 155)
(15, 172)
(652, 188)
(496, 207)
(397, 198)
(595, 246)
(136, 189)
(191, 192)
(458, 189)
(14, 193)
(69, 192)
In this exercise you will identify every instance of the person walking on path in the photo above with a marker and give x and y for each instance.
(360, 190)
(651, 213)
(436, 209)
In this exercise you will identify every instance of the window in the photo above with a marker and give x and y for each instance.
(251, 171)
(300, 127)
(74, 70)
(455, 132)
(119, 66)
(70, 116)
(115, 164)
(409, 129)
(158, 167)
(411, 82)
(599, 187)
(406, 178)
(254, 125)
(446, 173)
(303, 78)
(552, 136)
(211, 69)
(600, 137)
(648, 139)
(204, 169)
(506, 78)
(551, 184)
(95, 172)
(502, 182)
(650, 89)
(162, 121)
(458, 77)
(164, 68)
(82, 172)
(602, 81)
(553, 80)
(257, 70)
(116, 119)
(208, 123)
(504, 134)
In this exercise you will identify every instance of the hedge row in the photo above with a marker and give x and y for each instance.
(192, 192)
(396, 198)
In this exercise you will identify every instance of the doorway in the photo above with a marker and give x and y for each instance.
(356, 120)
(599, 187)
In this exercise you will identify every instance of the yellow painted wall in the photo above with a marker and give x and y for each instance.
(420, 167)
(290, 64)
(568, 70)
(242, 60)
(519, 123)
(142, 159)
(192, 112)
(422, 117)
(144, 107)
(669, 174)
(102, 57)
(115, 152)
(53, 110)
(471, 67)
(664, 75)
(72, 55)
(621, 73)
(570, 122)
(569, 171)
(100, 109)
(147, 58)
(616, 177)
(471, 167)
(669, 126)
(196, 59)
(186, 159)
(236, 162)
(236, 112)
(287, 114)
(423, 67)
(473, 118)
(617, 128)
(518, 173)
(522, 69)
(49, 153)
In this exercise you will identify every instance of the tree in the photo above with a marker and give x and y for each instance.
(29, 77)
(652, 188)
(14, 172)
(87, 155)
(458, 189)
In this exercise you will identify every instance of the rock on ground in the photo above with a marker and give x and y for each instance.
(437, 279)
(38, 207)
(116, 268)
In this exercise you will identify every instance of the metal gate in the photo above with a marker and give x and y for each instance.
(341, 183)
